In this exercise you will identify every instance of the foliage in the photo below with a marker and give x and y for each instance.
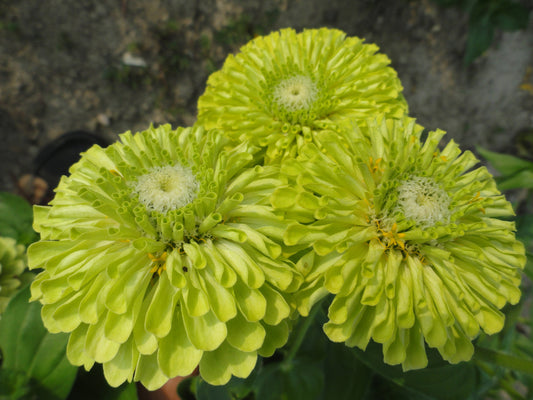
(16, 218)
(485, 17)
(32, 355)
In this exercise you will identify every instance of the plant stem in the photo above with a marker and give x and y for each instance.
(300, 334)
(504, 360)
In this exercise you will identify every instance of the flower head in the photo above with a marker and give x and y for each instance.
(13, 273)
(160, 253)
(407, 237)
(282, 89)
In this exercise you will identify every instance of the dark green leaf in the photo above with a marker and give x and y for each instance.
(439, 380)
(300, 380)
(480, 34)
(511, 16)
(346, 378)
(520, 180)
(16, 218)
(28, 347)
(524, 229)
(505, 163)
(528, 269)
(14, 385)
(506, 360)
(205, 391)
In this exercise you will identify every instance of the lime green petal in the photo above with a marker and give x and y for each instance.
(148, 372)
(243, 335)
(221, 300)
(205, 332)
(416, 357)
(217, 367)
(458, 348)
(97, 345)
(177, 356)
(131, 283)
(122, 367)
(275, 338)
(92, 304)
(76, 353)
(159, 314)
(195, 300)
(64, 318)
(242, 263)
(277, 308)
(146, 342)
(394, 351)
(250, 301)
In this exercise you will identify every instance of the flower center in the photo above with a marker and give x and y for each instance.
(166, 188)
(423, 201)
(295, 93)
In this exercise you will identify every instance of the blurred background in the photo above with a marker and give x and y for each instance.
(105, 67)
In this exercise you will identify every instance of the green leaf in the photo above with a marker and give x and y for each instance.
(520, 180)
(14, 385)
(16, 218)
(205, 391)
(236, 388)
(505, 360)
(480, 34)
(505, 163)
(439, 380)
(302, 379)
(346, 378)
(28, 347)
(511, 16)
(524, 229)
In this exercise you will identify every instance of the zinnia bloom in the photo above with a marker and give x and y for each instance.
(407, 237)
(159, 254)
(284, 88)
(13, 273)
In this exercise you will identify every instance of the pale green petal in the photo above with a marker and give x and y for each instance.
(122, 367)
(245, 336)
(205, 332)
(177, 356)
(217, 367)
(148, 372)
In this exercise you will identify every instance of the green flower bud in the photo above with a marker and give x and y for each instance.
(13, 273)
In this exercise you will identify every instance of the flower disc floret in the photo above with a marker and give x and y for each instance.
(160, 253)
(166, 188)
(282, 89)
(409, 239)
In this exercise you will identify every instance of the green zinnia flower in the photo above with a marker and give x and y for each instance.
(159, 254)
(13, 272)
(408, 239)
(282, 89)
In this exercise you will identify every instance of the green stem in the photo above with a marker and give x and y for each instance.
(300, 334)
(504, 360)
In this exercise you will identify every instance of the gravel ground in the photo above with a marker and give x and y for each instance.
(111, 66)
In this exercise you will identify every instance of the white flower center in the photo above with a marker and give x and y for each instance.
(295, 93)
(166, 188)
(423, 201)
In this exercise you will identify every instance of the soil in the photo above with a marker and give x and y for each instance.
(111, 66)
